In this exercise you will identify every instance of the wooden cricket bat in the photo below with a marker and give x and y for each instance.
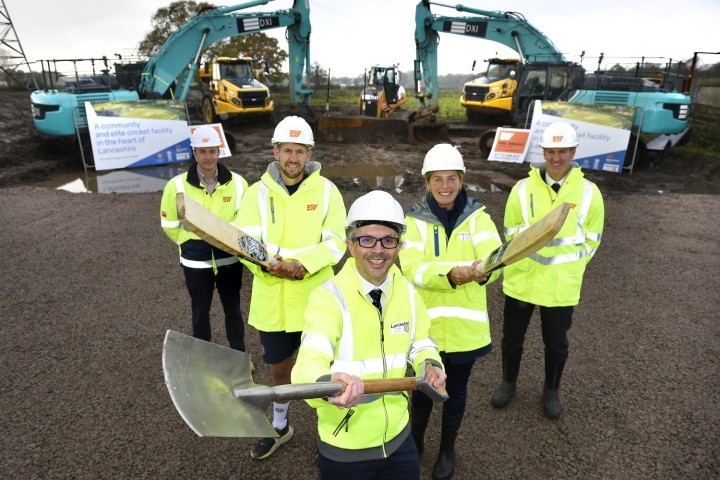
(220, 233)
(528, 241)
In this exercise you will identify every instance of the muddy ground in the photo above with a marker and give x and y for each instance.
(90, 284)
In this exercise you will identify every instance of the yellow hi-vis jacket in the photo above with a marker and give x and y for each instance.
(307, 226)
(458, 313)
(225, 202)
(552, 277)
(344, 332)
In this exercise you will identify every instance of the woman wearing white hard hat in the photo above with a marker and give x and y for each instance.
(448, 236)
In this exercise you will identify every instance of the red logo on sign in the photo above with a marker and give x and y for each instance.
(227, 199)
(295, 133)
(311, 206)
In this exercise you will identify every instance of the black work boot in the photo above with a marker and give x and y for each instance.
(551, 403)
(502, 396)
(419, 418)
(551, 399)
(445, 463)
(511, 367)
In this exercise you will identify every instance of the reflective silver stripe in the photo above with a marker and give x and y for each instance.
(484, 235)
(238, 190)
(180, 183)
(522, 189)
(196, 263)
(263, 194)
(419, 274)
(594, 236)
(407, 244)
(319, 342)
(169, 224)
(422, 228)
(459, 312)
(558, 259)
(253, 231)
(346, 350)
(326, 197)
(413, 313)
(328, 234)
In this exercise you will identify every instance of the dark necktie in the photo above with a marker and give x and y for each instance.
(375, 295)
(556, 187)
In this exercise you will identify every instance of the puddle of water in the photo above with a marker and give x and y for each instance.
(136, 180)
(387, 177)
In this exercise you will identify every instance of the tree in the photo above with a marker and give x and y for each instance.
(258, 45)
(319, 76)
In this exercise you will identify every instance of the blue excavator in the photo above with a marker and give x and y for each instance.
(169, 73)
(545, 75)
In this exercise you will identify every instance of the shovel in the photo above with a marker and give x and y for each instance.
(212, 388)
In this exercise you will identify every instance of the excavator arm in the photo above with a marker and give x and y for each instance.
(508, 28)
(175, 65)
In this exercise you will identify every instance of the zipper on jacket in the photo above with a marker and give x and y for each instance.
(437, 240)
(345, 422)
(532, 209)
(272, 208)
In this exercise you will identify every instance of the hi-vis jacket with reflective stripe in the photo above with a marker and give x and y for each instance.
(458, 313)
(225, 202)
(344, 332)
(552, 277)
(307, 226)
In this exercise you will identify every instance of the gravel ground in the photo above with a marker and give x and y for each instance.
(91, 285)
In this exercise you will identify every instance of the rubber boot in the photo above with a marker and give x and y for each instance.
(503, 395)
(551, 398)
(445, 463)
(551, 403)
(419, 418)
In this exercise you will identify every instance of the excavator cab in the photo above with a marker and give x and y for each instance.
(547, 81)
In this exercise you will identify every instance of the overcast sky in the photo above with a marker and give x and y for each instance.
(350, 35)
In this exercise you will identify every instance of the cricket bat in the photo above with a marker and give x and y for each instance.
(528, 241)
(220, 233)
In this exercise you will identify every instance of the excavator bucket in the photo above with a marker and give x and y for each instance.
(414, 129)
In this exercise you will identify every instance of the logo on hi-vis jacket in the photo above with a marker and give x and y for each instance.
(312, 207)
(295, 133)
(164, 215)
(400, 327)
(227, 199)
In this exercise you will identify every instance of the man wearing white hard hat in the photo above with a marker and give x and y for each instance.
(367, 322)
(449, 233)
(206, 267)
(300, 216)
(552, 277)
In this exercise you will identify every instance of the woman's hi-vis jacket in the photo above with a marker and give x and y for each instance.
(344, 332)
(553, 276)
(458, 313)
(225, 202)
(307, 226)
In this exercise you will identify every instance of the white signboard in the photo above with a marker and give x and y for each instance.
(138, 133)
(603, 132)
(510, 145)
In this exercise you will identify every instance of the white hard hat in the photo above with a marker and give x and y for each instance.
(443, 157)
(376, 207)
(205, 136)
(559, 135)
(293, 130)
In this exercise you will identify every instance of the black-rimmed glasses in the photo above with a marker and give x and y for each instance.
(368, 241)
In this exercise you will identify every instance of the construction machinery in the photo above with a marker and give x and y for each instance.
(382, 94)
(169, 73)
(490, 95)
(230, 88)
(545, 74)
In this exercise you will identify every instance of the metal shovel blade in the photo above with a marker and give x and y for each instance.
(201, 377)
